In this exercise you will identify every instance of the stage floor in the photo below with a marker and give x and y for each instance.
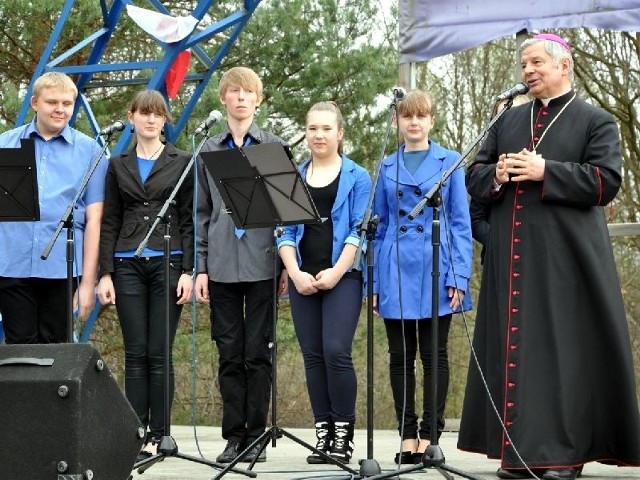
(288, 459)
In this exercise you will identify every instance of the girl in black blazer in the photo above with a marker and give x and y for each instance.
(138, 184)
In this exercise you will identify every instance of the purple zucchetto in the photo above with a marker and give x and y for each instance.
(553, 38)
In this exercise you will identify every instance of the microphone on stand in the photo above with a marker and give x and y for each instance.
(214, 117)
(116, 126)
(398, 93)
(519, 88)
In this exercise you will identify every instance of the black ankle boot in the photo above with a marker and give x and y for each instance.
(324, 434)
(342, 448)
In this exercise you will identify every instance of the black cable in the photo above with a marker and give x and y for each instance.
(194, 304)
(402, 325)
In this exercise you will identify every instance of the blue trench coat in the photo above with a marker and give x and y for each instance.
(413, 237)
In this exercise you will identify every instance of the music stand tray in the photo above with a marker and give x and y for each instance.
(261, 186)
(19, 183)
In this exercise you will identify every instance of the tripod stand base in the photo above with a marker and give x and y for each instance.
(432, 458)
(274, 433)
(369, 467)
(169, 448)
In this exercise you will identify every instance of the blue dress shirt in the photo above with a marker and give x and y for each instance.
(61, 163)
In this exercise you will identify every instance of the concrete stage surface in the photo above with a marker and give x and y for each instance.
(288, 459)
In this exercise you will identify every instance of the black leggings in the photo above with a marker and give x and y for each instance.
(417, 333)
(325, 324)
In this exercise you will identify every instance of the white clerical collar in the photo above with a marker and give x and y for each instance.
(545, 101)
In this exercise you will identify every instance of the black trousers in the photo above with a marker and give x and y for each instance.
(34, 310)
(417, 334)
(241, 326)
(140, 302)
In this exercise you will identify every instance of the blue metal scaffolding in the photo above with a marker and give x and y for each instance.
(232, 25)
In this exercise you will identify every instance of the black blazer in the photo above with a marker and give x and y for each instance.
(131, 207)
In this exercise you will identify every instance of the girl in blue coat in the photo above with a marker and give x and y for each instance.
(404, 266)
(325, 293)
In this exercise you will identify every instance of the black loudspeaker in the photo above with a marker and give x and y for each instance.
(63, 416)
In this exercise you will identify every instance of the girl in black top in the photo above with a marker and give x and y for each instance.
(326, 295)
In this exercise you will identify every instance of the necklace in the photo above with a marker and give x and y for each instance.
(533, 142)
(154, 153)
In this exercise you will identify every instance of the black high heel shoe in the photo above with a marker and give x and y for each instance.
(417, 457)
(403, 458)
(145, 452)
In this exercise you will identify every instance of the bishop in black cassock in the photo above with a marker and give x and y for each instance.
(551, 332)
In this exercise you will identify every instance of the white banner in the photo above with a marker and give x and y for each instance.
(432, 28)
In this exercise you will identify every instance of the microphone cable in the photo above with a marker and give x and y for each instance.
(403, 332)
(400, 303)
(194, 303)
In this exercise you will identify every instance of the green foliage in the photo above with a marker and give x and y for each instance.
(307, 52)
(20, 46)
(10, 100)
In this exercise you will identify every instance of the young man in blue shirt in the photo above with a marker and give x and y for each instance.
(33, 291)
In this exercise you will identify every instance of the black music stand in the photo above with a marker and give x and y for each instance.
(261, 187)
(19, 183)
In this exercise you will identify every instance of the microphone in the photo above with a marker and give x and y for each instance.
(116, 126)
(214, 117)
(398, 93)
(519, 88)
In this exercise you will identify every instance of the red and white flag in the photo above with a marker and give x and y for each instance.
(167, 29)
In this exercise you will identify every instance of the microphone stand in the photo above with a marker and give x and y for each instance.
(168, 446)
(66, 221)
(433, 456)
(369, 466)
